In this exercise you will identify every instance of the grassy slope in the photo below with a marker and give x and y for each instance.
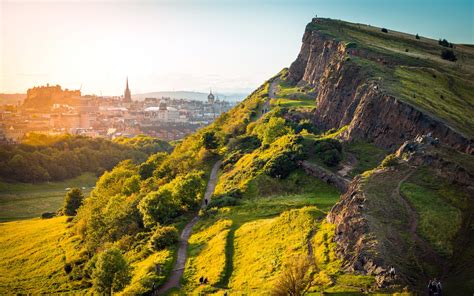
(33, 256)
(419, 77)
(23, 201)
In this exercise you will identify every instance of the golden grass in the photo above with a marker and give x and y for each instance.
(262, 247)
(207, 255)
(144, 273)
(33, 256)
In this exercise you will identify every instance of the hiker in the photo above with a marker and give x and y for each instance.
(153, 287)
(201, 280)
(205, 281)
(433, 288)
(439, 288)
(206, 201)
(391, 272)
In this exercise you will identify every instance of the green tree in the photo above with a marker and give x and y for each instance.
(209, 140)
(73, 201)
(273, 129)
(163, 237)
(111, 273)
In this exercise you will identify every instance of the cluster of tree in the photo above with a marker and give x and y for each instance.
(329, 151)
(445, 43)
(55, 159)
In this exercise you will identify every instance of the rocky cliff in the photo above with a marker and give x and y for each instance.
(378, 226)
(347, 94)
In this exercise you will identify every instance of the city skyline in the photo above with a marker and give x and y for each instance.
(185, 45)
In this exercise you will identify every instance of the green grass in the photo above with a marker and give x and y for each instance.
(293, 96)
(438, 204)
(207, 255)
(368, 156)
(33, 256)
(24, 201)
(418, 76)
(144, 273)
(439, 94)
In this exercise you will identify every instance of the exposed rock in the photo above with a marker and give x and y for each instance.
(347, 96)
(325, 175)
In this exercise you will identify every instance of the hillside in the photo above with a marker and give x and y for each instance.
(323, 183)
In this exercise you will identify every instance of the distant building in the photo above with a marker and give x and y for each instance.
(210, 98)
(127, 96)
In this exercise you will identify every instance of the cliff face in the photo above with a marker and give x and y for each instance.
(346, 95)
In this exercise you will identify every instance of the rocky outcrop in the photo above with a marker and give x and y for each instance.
(323, 174)
(346, 95)
(373, 220)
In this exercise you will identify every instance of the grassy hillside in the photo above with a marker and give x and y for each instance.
(23, 200)
(412, 69)
(33, 257)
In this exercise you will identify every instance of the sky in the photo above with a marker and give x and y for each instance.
(229, 46)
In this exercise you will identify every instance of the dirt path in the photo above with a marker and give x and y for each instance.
(426, 251)
(273, 88)
(182, 255)
(347, 166)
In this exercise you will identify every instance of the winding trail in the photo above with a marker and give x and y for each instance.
(182, 255)
(426, 251)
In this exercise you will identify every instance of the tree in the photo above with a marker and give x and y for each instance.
(73, 201)
(163, 237)
(111, 273)
(273, 129)
(209, 140)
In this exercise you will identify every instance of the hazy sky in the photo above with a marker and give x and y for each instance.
(186, 45)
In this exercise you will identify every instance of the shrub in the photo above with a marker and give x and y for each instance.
(209, 140)
(389, 161)
(384, 30)
(223, 201)
(163, 237)
(279, 166)
(73, 201)
(111, 272)
(329, 151)
(47, 215)
(295, 279)
(417, 36)
(448, 55)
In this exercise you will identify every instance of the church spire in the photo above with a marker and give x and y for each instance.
(127, 96)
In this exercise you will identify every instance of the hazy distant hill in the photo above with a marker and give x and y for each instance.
(11, 98)
(190, 95)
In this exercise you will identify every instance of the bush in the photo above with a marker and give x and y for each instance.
(329, 151)
(73, 201)
(448, 55)
(384, 30)
(209, 140)
(47, 215)
(164, 236)
(111, 272)
(279, 166)
(417, 36)
(389, 161)
(295, 279)
(223, 201)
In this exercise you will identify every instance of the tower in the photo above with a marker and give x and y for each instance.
(210, 98)
(127, 96)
